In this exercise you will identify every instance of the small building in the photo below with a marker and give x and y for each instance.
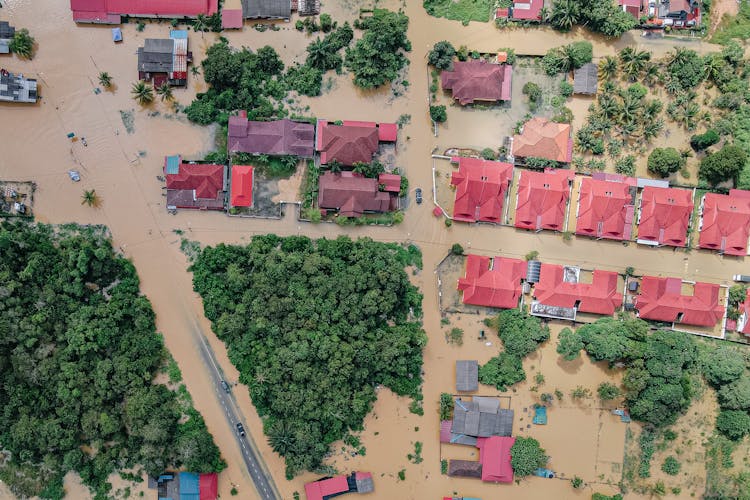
(194, 185)
(725, 222)
(16, 88)
(274, 138)
(632, 7)
(352, 141)
(267, 9)
(478, 80)
(307, 7)
(664, 299)
(679, 13)
(561, 286)
(241, 186)
(186, 486)
(165, 60)
(352, 194)
(606, 207)
(492, 282)
(542, 199)
(111, 11)
(326, 488)
(481, 417)
(664, 216)
(231, 15)
(465, 468)
(494, 455)
(522, 10)
(586, 79)
(481, 188)
(7, 32)
(390, 183)
(467, 375)
(541, 138)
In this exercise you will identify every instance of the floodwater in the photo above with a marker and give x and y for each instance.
(123, 167)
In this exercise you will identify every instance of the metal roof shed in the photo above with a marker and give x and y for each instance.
(586, 79)
(467, 375)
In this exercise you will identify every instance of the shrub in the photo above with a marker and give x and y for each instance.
(438, 114)
(569, 344)
(534, 93)
(699, 142)
(22, 44)
(723, 165)
(671, 466)
(527, 456)
(532, 255)
(577, 482)
(566, 89)
(326, 23)
(446, 406)
(442, 54)
(457, 249)
(456, 336)
(734, 424)
(488, 154)
(502, 371)
(520, 332)
(608, 391)
(665, 161)
(625, 165)
(305, 80)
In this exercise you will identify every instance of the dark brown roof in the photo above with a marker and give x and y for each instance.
(478, 81)
(279, 137)
(352, 195)
(464, 468)
(346, 144)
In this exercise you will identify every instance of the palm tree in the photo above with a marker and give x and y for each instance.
(165, 91)
(608, 106)
(565, 13)
(195, 70)
(22, 44)
(90, 198)
(652, 109)
(633, 61)
(281, 438)
(607, 68)
(652, 128)
(673, 86)
(651, 73)
(105, 80)
(142, 92)
(318, 54)
(200, 24)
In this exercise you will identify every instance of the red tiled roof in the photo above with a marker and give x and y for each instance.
(501, 13)
(392, 182)
(496, 287)
(542, 138)
(346, 144)
(527, 9)
(352, 194)
(387, 132)
(494, 455)
(726, 222)
(605, 209)
(183, 8)
(480, 189)
(231, 18)
(277, 137)
(661, 299)
(665, 215)
(445, 430)
(242, 186)
(598, 297)
(196, 186)
(319, 489)
(478, 80)
(542, 199)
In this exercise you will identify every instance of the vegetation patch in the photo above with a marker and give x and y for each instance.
(460, 10)
(313, 327)
(734, 27)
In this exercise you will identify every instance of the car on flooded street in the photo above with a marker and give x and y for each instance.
(225, 386)
(240, 429)
(418, 194)
(74, 175)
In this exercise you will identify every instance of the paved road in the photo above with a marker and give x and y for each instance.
(261, 477)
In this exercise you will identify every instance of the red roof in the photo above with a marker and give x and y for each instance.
(726, 222)
(601, 296)
(209, 486)
(94, 10)
(665, 215)
(445, 430)
(501, 13)
(331, 486)
(196, 186)
(661, 299)
(231, 18)
(478, 80)
(242, 186)
(605, 209)
(347, 144)
(480, 189)
(277, 137)
(387, 132)
(392, 182)
(494, 455)
(352, 194)
(543, 199)
(492, 284)
(528, 9)
(541, 138)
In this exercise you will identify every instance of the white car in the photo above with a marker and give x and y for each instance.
(74, 175)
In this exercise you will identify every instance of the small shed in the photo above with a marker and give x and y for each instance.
(586, 79)
(467, 375)
(116, 35)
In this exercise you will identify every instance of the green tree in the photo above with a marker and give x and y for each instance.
(722, 365)
(608, 391)
(565, 14)
(105, 80)
(90, 198)
(442, 54)
(438, 114)
(520, 332)
(671, 466)
(734, 424)
(446, 406)
(665, 161)
(142, 92)
(569, 344)
(22, 44)
(608, 68)
(726, 164)
(165, 92)
(457, 249)
(699, 142)
(305, 80)
(736, 395)
(527, 456)
(502, 371)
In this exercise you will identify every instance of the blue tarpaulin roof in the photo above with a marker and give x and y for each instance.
(189, 486)
(173, 164)
(116, 35)
(176, 34)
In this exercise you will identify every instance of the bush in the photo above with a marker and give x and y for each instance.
(700, 142)
(724, 165)
(457, 249)
(534, 93)
(722, 365)
(520, 332)
(569, 344)
(734, 424)
(577, 482)
(665, 161)
(608, 391)
(488, 154)
(305, 80)
(438, 114)
(326, 23)
(527, 456)
(736, 394)
(671, 466)
(502, 371)
(22, 44)
(567, 58)
(446, 406)
(625, 165)
(566, 89)
(442, 54)
(456, 336)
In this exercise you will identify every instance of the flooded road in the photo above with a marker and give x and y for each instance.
(123, 167)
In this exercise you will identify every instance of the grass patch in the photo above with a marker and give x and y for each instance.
(734, 26)
(460, 10)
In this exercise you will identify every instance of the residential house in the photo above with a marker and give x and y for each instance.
(267, 9)
(231, 15)
(111, 11)
(478, 80)
(522, 10)
(725, 222)
(632, 7)
(679, 13)
(663, 299)
(241, 186)
(16, 88)
(481, 188)
(165, 60)
(274, 138)
(561, 286)
(541, 138)
(194, 185)
(664, 216)
(7, 32)
(492, 282)
(186, 485)
(586, 79)
(352, 194)
(542, 200)
(494, 455)
(467, 375)
(352, 141)
(606, 206)
(326, 488)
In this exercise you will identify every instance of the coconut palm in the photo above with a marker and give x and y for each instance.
(608, 106)
(652, 109)
(281, 438)
(672, 86)
(90, 198)
(105, 80)
(565, 13)
(195, 70)
(652, 128)
(165, 91)
(608, 87)
(200, 24)
(633, 61)
(651, 73)
(142, 92)
(607, 68)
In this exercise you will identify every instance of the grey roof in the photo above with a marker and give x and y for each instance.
(365, 485)
(308, 7)
(154, 62)
(267, 9)
(4, 46)
(16, 88)
(586, 79)
(162, 45)
(6, 30)
(481, 417)
(467, 375)
(486, 405)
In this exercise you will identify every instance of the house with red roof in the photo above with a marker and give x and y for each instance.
(743, 323)
(606, 207)
(352, 194)
(632, 7)
(352, 141)
(679, 13)
(522, 10)
(231, 14)
(327, 488)
(663, 299)
(560, 286)
(542, 138)
(274, 138)
(542, 199)
(494, 455)
(481, 188)
(391, 183)
(194, 185)
(492, 282)
(111, 11)
(664, 216)
(725, 222)
(241, 186)
(478, 80)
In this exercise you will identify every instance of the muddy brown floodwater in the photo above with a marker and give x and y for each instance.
(123, 165)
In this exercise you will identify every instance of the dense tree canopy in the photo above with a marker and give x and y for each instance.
(314, 327)
(567, 58)
(602, 16)
(665, 161)
(527, 456)
(78, 355)
(442, 54)
(724, 165)
(569, 344)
